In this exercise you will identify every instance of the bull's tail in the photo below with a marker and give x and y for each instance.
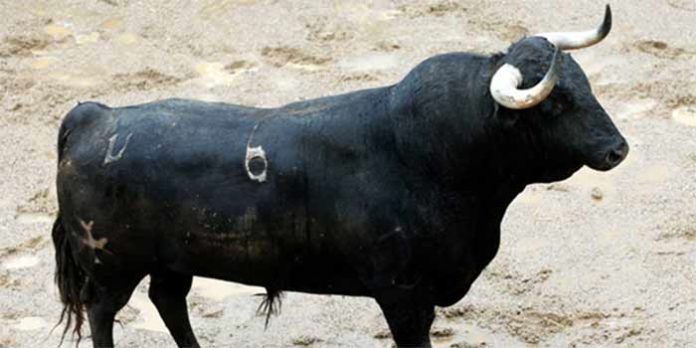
(70, 279)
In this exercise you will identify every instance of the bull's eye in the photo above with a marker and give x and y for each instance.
(552, 108)
(556, 106)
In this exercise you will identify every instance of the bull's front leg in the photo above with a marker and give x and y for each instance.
(409, 318)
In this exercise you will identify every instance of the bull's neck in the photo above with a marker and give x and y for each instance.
(447, 135)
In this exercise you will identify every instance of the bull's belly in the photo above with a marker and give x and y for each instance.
(265, 263)
(271, 260)
(225, 246)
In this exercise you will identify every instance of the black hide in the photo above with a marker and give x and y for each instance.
(396, 193)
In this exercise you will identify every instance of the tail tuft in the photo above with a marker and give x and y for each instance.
(71, 281)
(270, 304)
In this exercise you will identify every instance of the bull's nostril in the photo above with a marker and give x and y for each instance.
(614, 157)
(618, 154)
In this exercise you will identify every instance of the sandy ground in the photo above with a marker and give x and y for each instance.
(602, 259)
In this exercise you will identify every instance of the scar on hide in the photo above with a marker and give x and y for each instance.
(89, 239)
(110, 157)
(256, 157)
(255, 161)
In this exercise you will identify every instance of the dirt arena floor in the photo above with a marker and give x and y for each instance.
(599, 260)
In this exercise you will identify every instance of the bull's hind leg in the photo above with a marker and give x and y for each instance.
(168, 292)
(104, 302)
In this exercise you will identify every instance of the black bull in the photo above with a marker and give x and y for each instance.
(395, 193)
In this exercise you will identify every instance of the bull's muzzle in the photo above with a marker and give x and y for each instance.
(612, 156)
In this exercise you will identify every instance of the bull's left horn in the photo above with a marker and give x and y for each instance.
(505, 81)
(581, 39)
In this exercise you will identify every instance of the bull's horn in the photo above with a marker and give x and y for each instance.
(506, 80)
(581, 39)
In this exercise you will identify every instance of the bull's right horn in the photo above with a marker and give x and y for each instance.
(581, 39)
(505, 81)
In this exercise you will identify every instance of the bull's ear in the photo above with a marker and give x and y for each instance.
(506, 117)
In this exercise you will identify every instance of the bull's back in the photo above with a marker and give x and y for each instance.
(145, 146)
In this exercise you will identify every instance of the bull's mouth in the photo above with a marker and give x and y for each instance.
(558, 173)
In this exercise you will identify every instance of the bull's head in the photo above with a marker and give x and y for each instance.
(545, 94)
